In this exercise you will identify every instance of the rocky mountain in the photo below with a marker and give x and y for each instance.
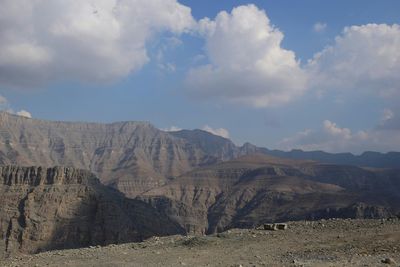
(216, 146)
(135, 157)
(366, 159)
(131, 156)
(54, 208)
(204, 182)
(256, 189)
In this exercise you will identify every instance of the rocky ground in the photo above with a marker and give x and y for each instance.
(320, 243)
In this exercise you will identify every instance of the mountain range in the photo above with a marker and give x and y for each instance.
(153, 182)
(135, 157)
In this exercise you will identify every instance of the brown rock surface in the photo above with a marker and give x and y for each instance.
(49, 208)
(131, 156)
(258, 189)
(321, 243)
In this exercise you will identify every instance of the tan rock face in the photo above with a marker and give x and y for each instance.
(48, 208)
(131, 156)
(179, 174)
(257, 189)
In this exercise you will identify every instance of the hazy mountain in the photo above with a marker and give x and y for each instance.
(366, 159)
(201, 182)
(132, 156)
(44, 209)
(256, 189)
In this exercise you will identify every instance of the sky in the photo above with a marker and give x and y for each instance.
(311, 75)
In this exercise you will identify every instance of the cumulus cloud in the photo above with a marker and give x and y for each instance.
(364, 58)
(332, 138)
(90, 40)
(172, 129)
(247, 63)
(5, 106)
(217, 131)
(387, 114)
(389, 120)
(319, 27)
(24, 113)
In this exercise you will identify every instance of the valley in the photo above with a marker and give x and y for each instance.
(72, 184)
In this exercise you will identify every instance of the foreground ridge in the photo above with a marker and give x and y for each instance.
(332, 242)
(62, 207)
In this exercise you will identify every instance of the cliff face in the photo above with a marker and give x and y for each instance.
(131, 156)
(135, 157)
(256, 189)
(52, 208)
(187, 177)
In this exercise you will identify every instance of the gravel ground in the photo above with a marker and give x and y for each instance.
(320, 243)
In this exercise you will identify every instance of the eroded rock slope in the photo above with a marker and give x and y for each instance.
(53, 208)
(257, 189)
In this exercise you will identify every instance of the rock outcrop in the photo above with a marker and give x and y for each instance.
(257, 189)
(54, 208)
(131, 156)
(192, 178)
(135, 157)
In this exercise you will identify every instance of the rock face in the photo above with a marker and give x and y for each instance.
(135, 157)
(131, 156)
(253, 190)
(192, 178)
(52, 208)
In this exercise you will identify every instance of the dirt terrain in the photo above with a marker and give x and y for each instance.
(321, 243)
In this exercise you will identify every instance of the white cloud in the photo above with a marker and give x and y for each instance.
(217, 131)
(388, 114)
(364, 58)
(24, 113)
(331, 138)
(319, 27)
(5, 106)
(389, 120)
(168, 67)
(247, 63)
(172, 129)
(89, 40)
(333, 130)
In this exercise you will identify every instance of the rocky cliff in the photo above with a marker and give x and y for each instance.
(135, 157)
(131, 156)
(53, 208)
(256, 189)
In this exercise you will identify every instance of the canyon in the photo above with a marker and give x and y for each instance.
(77, 184)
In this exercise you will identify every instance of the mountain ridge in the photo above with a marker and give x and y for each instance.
(256, 189)
(135, 157)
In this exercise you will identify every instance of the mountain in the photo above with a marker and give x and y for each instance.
(216, 146)
(169, 182)
(135, 157)
(366, 159)
(255, 189)
(131, 156)
(54, 208)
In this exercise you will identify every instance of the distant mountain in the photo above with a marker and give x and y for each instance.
(256, 189)
(186, 181)
(131, 156)
(54, 208)
(366, 159)
(225, 149)
(135, 157)
(216, 146)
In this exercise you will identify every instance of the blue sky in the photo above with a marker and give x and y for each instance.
(250, 73)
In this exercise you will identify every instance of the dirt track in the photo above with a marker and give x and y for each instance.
(321, 243)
